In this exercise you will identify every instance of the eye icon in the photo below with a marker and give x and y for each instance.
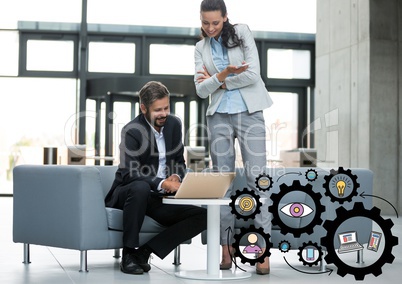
(296, 209)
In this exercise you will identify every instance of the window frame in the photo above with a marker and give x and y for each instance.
(53, 36)
(143, 37)
(108, 38)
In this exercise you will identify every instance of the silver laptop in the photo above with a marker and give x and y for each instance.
(349, 242)
(204, 185)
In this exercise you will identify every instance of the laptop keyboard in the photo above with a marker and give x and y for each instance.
(349, 247)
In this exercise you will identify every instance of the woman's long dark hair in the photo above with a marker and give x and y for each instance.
(228, 31)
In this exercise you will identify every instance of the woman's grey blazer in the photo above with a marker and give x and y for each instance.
(249, 83)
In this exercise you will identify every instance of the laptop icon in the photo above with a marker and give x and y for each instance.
(204, 185)
(349, 242)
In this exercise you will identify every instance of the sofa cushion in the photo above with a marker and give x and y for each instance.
(114, 218)
(115, 222)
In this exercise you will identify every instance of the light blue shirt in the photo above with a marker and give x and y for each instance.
(160, 143)
(232, 101)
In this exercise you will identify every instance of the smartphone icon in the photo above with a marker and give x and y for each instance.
(310, 254)
(374, 241)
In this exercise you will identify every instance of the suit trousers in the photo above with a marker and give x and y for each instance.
(182, 222)
(249, 130)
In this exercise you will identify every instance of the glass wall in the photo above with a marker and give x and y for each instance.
(263, 15)
(40, 92)
(110, 57)
(35, 113)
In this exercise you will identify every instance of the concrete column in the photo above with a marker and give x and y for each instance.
(358, 93)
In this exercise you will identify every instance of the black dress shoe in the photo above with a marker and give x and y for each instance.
(145, 266)
(129, 265)
(142, 260)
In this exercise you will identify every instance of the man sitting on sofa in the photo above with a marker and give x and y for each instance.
(151, 165)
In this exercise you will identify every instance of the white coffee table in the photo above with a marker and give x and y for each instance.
(213, 271)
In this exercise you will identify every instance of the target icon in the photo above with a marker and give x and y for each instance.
(246, 203)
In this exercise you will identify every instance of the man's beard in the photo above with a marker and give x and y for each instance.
(158, 122)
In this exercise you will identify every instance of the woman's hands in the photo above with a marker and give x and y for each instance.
(204, 75)
(221, 76)
(238, 69)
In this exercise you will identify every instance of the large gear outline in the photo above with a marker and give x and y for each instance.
(274, 208)
(310, 244)
(359, 211)
(257, 180)
(258, 204)
(328, 179)
(252, 229)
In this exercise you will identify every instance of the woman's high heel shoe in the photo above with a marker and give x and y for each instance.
(225, 266)
(263, 268)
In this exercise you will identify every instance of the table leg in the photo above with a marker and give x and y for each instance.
(213, 271)
(213, 229)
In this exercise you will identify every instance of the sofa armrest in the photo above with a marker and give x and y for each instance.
(60, 206)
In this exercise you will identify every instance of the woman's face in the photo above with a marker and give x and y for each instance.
(212, 23)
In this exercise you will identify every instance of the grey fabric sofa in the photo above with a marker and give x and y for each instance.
(300, 231)
(63, 206)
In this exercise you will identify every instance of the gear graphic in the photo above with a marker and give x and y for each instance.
(359, 211)
(249, 204)
(311, 175)
(284, 246)
(316, 248)
(340, 180)
(252, 230)
(264, 182)
(317, 211)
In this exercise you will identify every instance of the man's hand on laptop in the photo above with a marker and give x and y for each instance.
(171, 184)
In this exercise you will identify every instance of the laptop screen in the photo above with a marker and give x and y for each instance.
(348, 237)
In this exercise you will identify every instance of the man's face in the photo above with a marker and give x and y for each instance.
(157, 113)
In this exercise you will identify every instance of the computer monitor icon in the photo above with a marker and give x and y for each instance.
(349, 242)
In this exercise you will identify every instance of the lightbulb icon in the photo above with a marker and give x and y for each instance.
(340, 185)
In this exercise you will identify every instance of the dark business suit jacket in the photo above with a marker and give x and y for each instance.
(139, 156)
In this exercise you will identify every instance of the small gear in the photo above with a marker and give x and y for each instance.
(340, 181)
(284, 246)
(343, 215)
(246, 232)
(264, 182)
(248, 203)
(317, 211)
(314, 260)
(311, 175)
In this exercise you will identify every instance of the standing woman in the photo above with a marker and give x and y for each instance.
(237, 99)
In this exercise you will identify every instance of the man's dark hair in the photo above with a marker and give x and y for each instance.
(151, 92)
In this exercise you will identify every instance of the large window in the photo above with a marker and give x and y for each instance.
(289, 63)
(110, 57)
(36, 113)
(261, 15)
(281, 121)
(66, 11)
(9, 53)
(171, 59)
(47, 56)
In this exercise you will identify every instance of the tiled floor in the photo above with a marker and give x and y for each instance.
(51, 265)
